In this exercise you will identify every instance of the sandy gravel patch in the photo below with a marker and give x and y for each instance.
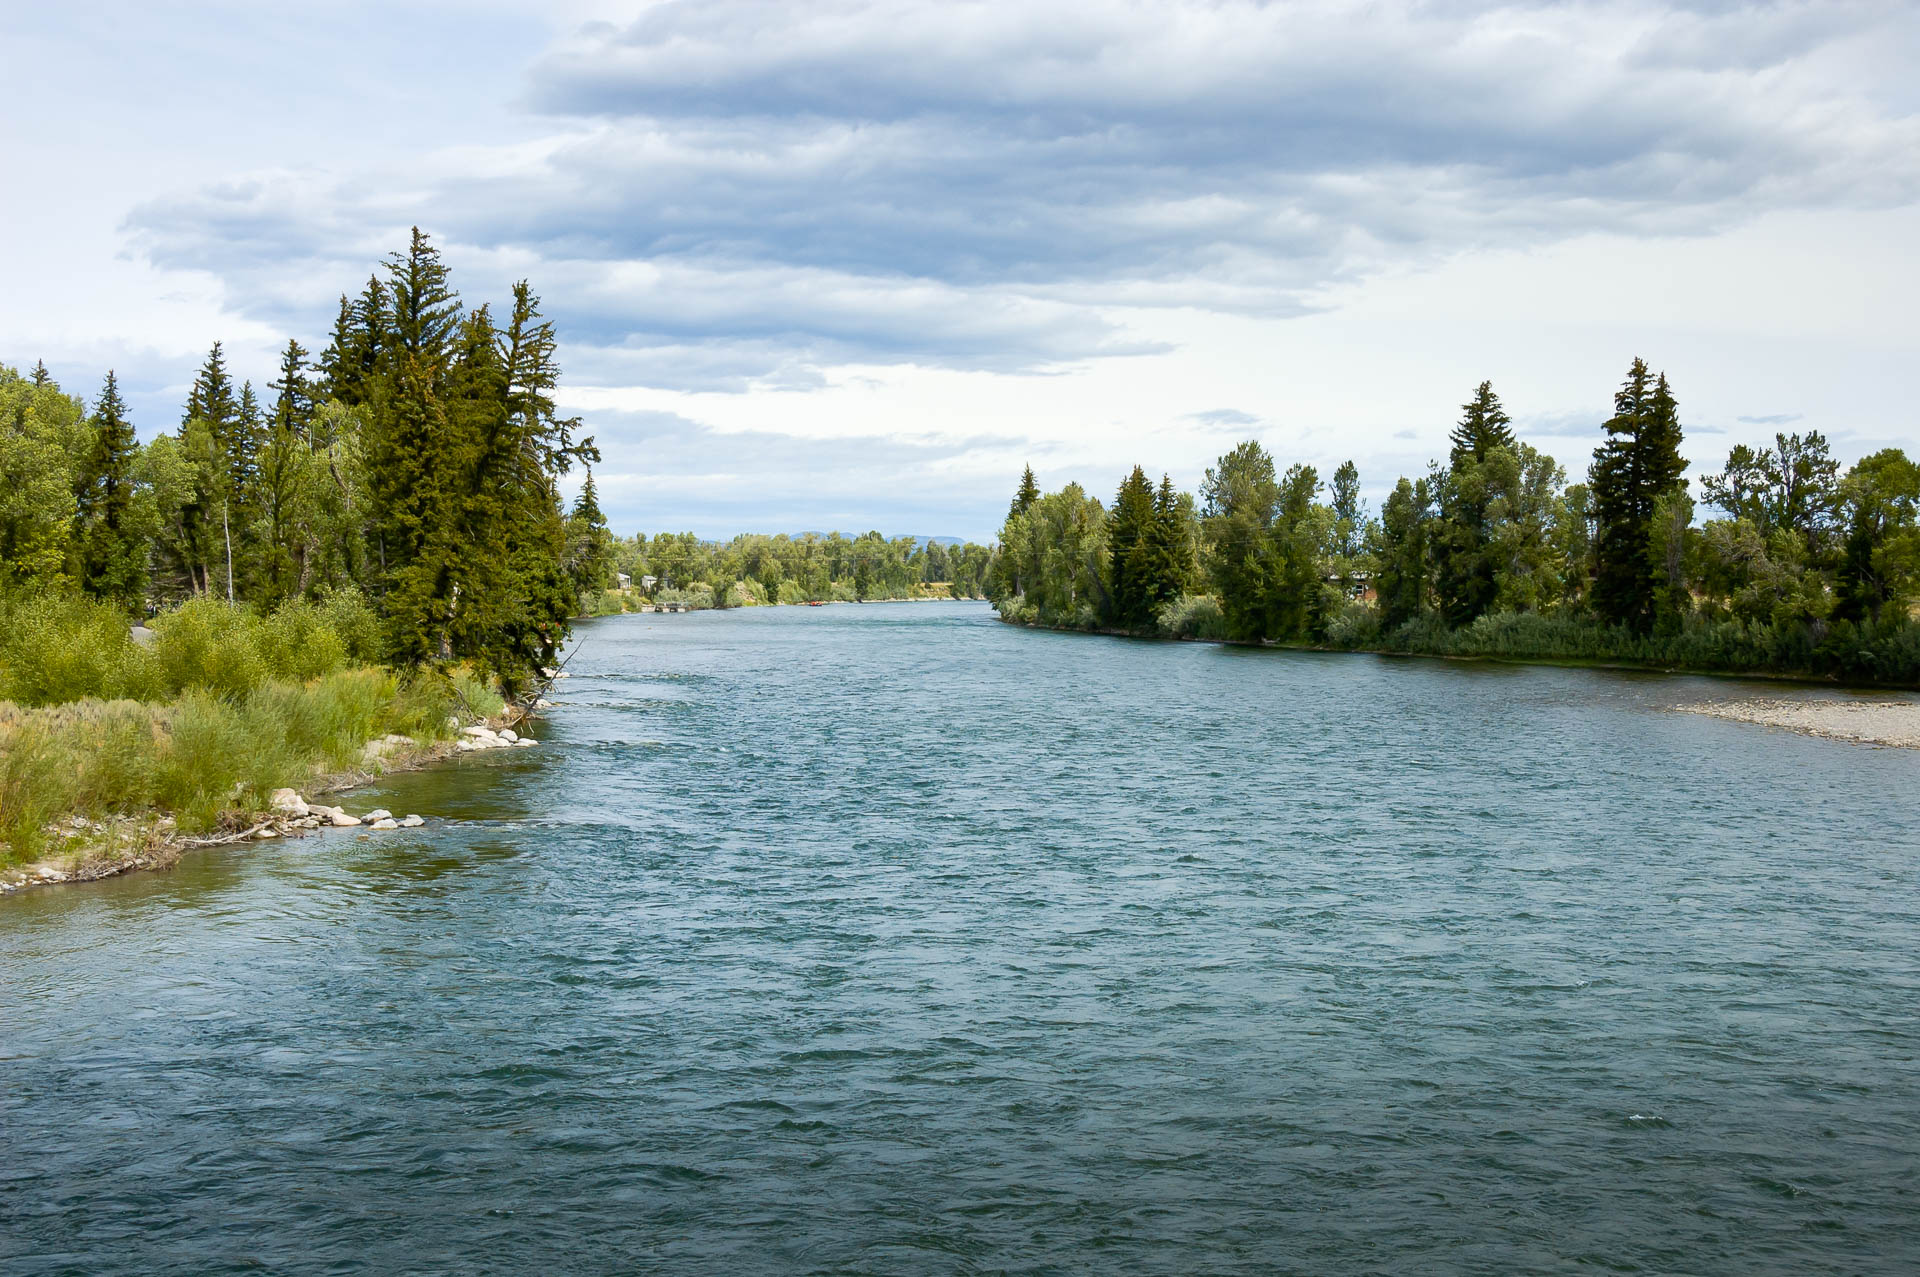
(1894, 723)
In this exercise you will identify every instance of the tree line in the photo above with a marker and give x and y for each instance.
(415, 461)
(804, 568)
(1807, 568)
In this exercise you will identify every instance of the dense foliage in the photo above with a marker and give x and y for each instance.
(1808, 569)
(680, 567)
(415, 463)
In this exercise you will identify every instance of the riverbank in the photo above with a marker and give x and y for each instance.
(91, 788)
(88, 849)
(1893, 724)
(1888, 660)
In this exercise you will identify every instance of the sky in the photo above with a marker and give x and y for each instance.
(841, 266)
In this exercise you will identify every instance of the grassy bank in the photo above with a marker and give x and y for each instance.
(1885, 655)
(200, 725)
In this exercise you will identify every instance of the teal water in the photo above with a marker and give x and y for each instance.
(891, 939)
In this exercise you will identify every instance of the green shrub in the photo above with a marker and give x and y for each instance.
(475, 694)
(350, 617)
(299, 642)
(1193, 616)
(56, 648)
(207, 644)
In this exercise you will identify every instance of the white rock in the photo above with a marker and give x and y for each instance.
(477, 731)
(549, 673)
(453, 723)
(542, 704)
(526, 740)
(289, 802)
(385, 822)
(343, 821)
(378, 813)
(508, 735)
(267, 833)
(412, 822)
(562, 674)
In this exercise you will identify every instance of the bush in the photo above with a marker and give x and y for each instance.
(699, 595)
(1193, 616)
(57, 648)
(299, 642)
(207, 644)
(351, 617)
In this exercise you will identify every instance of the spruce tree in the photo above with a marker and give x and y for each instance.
(293, 400)
(1163, 553)
(113, 551)
(211, 398)
(1127, 528)
(41, 377)
(1028, 494)
(590, 547)
(1464, 567)
(1639, 462)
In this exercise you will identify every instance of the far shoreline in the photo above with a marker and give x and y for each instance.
(1559, 662)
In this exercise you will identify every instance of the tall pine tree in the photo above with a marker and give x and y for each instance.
(1465, 567)
(1638, 464)
(1028, 494)
(1128, 528)
(113, 553)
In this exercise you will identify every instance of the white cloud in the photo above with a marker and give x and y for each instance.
(1096, 231)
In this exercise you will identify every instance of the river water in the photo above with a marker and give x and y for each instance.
(891, 939)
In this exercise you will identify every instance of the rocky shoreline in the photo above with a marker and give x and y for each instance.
(107, 848)
(1893, 724)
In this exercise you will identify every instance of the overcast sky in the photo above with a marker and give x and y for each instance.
(851, 265)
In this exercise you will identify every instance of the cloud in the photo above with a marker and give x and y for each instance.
(668, 472)
(731, 193)
(1773, 419)
(1224, 418)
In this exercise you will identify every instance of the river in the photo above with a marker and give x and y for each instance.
(891, 939)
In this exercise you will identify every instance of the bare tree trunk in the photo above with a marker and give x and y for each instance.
(229, 535)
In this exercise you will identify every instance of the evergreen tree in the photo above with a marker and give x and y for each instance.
(1639, 462)
(41, 377)
(426, 312)
(1128, 528)
(212, 400)
(1164, 552)
(352, 360)
(590, 547)
(113, 550)
(293, 401)
(1464, 566)
(1028, 494)
(1484, 426)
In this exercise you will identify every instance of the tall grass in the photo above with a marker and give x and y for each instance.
(204, 756)
(223, 707)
